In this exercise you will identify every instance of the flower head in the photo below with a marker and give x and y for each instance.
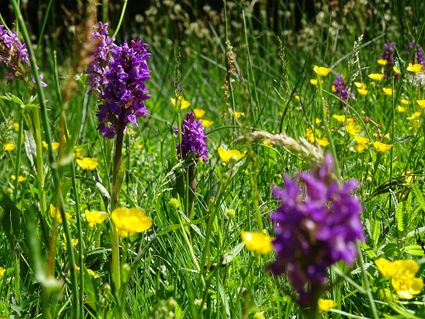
(95, 217)
(12, 53)
(180, 103)
(257, 242)
(321, 70)
(316, 224)
(387, 59)
(129, 221)
(8, 147)
(119, 73)
(326, 304)
(193, 139)
(227, 155)
(341, 89)
(87, 163)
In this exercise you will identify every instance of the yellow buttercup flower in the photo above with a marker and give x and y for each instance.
(2, 272)
(404, 101)
(353, 128)
(360, 85)
(9, 147)
(20, 178)
(55, 213)
(362, 91)
(414, 116)
(388, 91)
(382, 62)
(237, 114)
(414, 68)
(314, 82)
(318, 120)
(396, 70)
(382, 147)
(297, 98)
(181, 103)
(55, 145)
(94, 217)
(257, 242)
(199, 113)
(400, 109)
(376, 76)
(309, 135)
(361, 139)
(207, 123)
(402, 274)
(323, 142)
(339, 118)
(326, 304)
(129, 221)
(421, 103)
(227, 155)
(321, 70)
(360, 148)
(87, 163)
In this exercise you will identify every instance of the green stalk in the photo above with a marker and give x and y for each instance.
(43, 26)
(18, 156)
(46, 127)
(124, 7)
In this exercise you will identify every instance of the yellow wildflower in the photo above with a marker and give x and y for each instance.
(323, 142)
(333, 88)
(15, 126)
(360, 85)
(339, 118)
(326, 304)
(414, 68)
(257, 242)
(309, 135)
(199, 113)
(317, 120)
(388, 91)
(376, 76)
(129, 221)
(2, 272)
(405, 101)
(321, 70)
(227, 155)
(207, 123)
(87, 163)
(297, 98)
(237, 114)
(360, 147)
(382, 147)
(94, 217)
(361, 139)
(55, 145)
(267, 142)
(181, 103)
(400, 109)
(93, 274)
(55, 213)
(414, 116)
(382, 62)
(9, 147)
(353, 128)
(396, 70)
(402, 274)
(314, 82)
(362, 91)
(20, 178)
(421, 103)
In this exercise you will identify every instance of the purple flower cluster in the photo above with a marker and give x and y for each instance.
(12, 53)
(119, 73)
(388, 55)
(341, 89)
(193, 139)
(100, 57)
(316, 225)
(419, 54)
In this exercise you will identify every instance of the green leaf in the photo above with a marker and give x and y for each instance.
(10, 218)
(399, 215)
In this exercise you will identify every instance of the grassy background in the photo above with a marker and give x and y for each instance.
(198, 268)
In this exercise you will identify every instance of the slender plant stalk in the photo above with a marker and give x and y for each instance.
(124, 7)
